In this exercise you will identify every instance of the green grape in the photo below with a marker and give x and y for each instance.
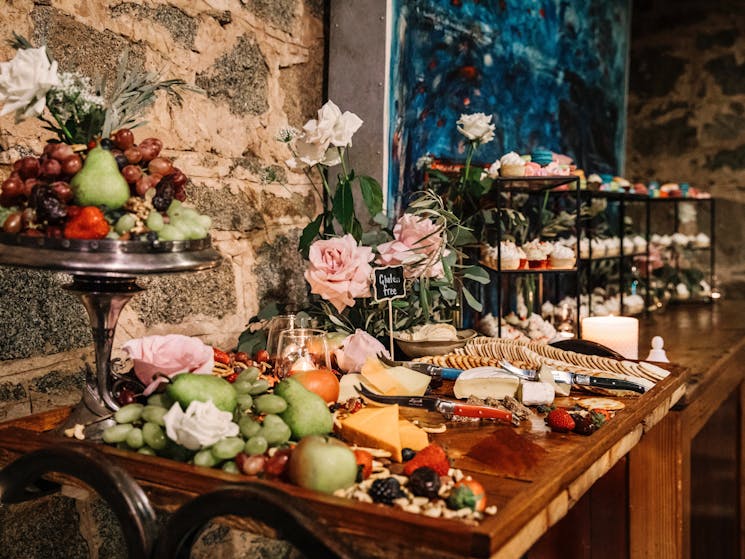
(116, 433)
(274, 430)
(146, 450)
(154, 436)
(230, 467)
(155, 221)
(249, 374)
(269, 403)
(154, 414)
(256, 445)
(125, 223)
(134, 438)
(160, 399)
(189, 229)
(171, 233)
(242, 386)
(174, 208)
(259, 387)
(248, 426)
(129, 413)
(205, 458)
(245, 401)
(227, 448)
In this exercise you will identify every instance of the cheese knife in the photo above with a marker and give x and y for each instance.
(575, 378)
(442, 405)
(435, 371)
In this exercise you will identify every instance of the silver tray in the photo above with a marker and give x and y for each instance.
(107, 257)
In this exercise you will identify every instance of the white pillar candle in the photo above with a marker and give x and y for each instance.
(619, 333)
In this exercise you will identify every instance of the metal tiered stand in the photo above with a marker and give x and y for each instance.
(104, 277)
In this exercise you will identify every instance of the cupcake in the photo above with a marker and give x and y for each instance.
(598, 248)
(512, 165)
(612, 246)
(523, 258)
(702, 240)
(640, 244)
(584, 248)
(509, 257)
(561, 257)
(628, 246)
(537, 254)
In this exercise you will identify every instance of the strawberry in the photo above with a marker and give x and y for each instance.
(433, 456)
(221, 356)
(559, 420)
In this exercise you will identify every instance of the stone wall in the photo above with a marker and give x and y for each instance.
(261, 65)
(686, 111)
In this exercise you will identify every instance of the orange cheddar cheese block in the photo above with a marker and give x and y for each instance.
(412, 436)
(375, 427)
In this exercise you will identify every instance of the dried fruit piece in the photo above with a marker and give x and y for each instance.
(424, 482)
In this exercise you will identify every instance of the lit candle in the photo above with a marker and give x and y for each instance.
(619, 333)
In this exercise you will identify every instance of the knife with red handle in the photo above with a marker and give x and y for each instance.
(442, 405)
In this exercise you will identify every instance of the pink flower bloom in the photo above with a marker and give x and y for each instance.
(169, 355)
(417, 243)
(339, 270)
(355, 349)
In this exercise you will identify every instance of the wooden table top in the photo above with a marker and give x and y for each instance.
(533, 476)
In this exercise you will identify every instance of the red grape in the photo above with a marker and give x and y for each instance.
(131, 173)
(161, 166)
(144, 184)
(126, 396)
(133, 154)
(150, 148)
(27, 167)
(13, 223)
(50, 168)
(178, 177)
(124, 138)
(12, 187)
(276, 465)
(28, 186)
(62, 191)
(62, 151)
(72, 164)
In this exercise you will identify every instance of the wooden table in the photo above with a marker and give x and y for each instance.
(534, 479)
(710, 341)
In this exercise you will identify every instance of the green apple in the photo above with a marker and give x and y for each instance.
(323, 464)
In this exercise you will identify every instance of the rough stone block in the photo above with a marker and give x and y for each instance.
(170, 299)
(279, 13)
(38, 317)
(239, 78)
(181, 27)
(229, 211)
(279, 270)
(46, 528)
(56, 389)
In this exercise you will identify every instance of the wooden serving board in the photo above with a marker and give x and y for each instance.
(532, 475)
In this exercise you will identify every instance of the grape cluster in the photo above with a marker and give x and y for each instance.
(34, 199)
(38, 190)
(261, 448)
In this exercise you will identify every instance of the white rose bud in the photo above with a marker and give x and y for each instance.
(476, 127)
(201, 425)
(25, 81)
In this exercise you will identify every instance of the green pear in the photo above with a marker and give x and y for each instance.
(99, 182)
(184, 388)
(307, 413)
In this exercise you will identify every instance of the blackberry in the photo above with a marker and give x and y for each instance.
(106, 143)
(424, 482)
(121, 161)
(407, 454)
(386, 490)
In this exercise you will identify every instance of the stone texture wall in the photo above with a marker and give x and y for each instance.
(686, 112)
(261, 65)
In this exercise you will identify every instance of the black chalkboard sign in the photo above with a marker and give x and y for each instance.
(388, 283)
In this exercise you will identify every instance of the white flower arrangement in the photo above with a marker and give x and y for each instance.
(200, 426)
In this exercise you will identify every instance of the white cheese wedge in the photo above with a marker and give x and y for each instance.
(347, 385)
(393, 381)
(485, 382)
(534, 393)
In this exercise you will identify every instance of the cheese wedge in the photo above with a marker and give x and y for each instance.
(393, 381)
(485, 383)
(376, 427)
(533, 393)
(347, 385)
(412, 436)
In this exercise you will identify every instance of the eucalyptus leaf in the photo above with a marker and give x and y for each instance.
(372, 194)
(471, 300)
(477, 274)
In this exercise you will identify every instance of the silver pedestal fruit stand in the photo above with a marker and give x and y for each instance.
(104, 274)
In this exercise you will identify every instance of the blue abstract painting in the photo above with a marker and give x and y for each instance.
(551, 72)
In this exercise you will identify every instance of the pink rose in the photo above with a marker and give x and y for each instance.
(339, 270)
(417, 245)
(355, 349)
(169, 355)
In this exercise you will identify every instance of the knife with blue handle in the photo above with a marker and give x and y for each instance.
(434, 371)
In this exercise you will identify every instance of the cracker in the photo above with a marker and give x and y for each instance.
(601, 404)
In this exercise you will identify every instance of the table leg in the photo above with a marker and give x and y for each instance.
(659, 492)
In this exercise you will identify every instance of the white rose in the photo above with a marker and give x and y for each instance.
(307, 154)
(476, 127)
(344, 128)
(201, 425)
(24, 82)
